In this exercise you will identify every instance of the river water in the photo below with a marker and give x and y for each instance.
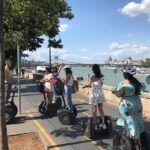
(110, 78)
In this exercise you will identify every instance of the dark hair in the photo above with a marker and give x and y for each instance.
(68, 71)
(137, 85)
(54, 69)
(97, 71)
(48, 69)
(8, 59)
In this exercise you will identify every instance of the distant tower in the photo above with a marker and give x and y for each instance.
(110, 60)
(129, 61)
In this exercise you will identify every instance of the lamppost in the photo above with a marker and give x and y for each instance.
(50, 62)
(17, 37)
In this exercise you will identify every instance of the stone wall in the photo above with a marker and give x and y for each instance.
(115, 100)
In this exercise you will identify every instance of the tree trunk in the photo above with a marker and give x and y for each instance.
(3, 129)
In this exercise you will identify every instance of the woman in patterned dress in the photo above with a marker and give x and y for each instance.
(96, 95)
(130, 107)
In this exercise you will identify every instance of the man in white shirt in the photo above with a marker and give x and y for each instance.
(8, 79)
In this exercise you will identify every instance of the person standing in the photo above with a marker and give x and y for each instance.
(23, 72)
(48, 87)
(8, 79)
(68, 81)
(130, 107)
(96, 95)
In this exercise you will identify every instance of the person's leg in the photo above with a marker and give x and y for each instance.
(68, 95)
(94, 112)
(8, 88)
(50, 97)
(47, 98)
(100, 107)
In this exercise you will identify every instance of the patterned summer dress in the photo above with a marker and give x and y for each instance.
(130, 109)
(96, 94)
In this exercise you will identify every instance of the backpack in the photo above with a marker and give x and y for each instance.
(58, 86)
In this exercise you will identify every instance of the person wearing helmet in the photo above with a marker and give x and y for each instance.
(56, 70)
(68, 81)
(130, 107)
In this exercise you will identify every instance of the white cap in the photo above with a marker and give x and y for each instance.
(129, 69)
(67, 66)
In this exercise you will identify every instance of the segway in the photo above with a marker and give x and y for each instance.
(93, 132)
(10, 108)
(65, 116)
(51, 109)
(122, 141)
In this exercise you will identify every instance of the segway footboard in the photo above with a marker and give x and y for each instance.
(51, 110)
(42, 108)
(108, 123)
(89, 128)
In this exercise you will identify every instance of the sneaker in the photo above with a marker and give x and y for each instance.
(96, 127)
(103, 126)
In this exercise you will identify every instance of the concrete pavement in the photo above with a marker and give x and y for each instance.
(53, 133)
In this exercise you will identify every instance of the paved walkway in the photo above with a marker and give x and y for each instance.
(53, 133)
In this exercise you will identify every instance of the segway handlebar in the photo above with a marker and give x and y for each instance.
(86, 86)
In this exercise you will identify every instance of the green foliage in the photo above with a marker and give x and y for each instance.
(33, 18)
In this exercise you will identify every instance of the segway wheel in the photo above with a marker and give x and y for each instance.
(145, 140)
(90, 129)
(42, 108)
(51, 110)
(58, 103)
(66, 117)
(121, 142)
(8, 117)
(14, 110)
(108, 123)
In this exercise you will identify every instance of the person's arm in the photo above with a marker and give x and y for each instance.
(59, 69)
(8, 77)
(89, 83)
(121, 92)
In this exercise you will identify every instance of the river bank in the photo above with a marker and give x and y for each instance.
(114, 100)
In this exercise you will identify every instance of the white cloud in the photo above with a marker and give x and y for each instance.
(38, 55)
(129, 50)
(116, 50)
(134, 9)
(118, 46)
(43, 54)
(63, 27)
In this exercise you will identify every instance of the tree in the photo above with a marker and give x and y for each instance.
(34, 18)
(3, 131)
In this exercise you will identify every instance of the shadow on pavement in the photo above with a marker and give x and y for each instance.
(23, 119)
(27, 81)
(29, 89)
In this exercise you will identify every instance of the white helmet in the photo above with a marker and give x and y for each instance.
(67, 66)
(129, 69)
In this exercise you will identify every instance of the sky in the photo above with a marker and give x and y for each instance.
(102, 28)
